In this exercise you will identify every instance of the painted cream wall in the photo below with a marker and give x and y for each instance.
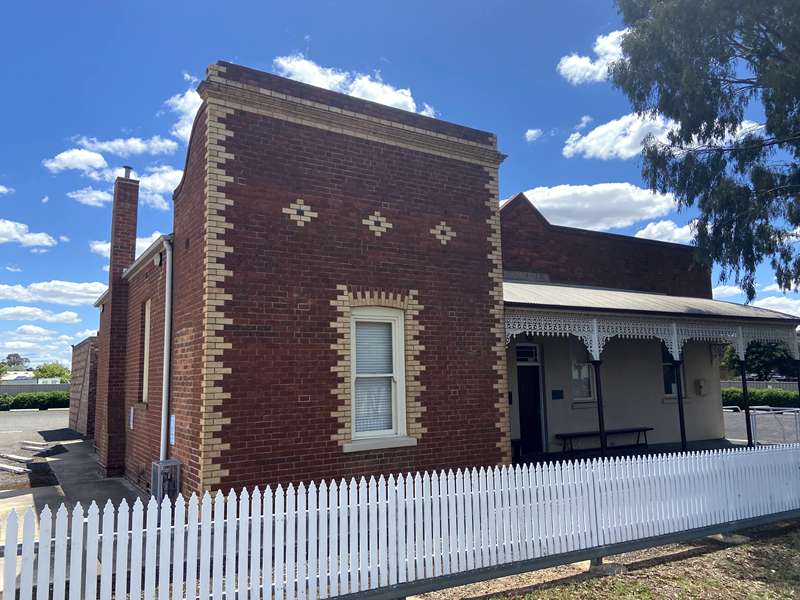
(632, 392)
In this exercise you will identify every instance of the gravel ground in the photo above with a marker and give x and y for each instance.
(39, 426)
(768, 567)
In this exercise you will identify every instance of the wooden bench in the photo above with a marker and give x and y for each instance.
(568, 438)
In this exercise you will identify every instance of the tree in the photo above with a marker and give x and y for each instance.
(763, 359)
(727, 72)
(3, 368)
(47, 370)
(15, 360)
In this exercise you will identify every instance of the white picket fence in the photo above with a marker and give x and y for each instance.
(332, 539)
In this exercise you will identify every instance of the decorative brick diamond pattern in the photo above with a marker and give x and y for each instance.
(377, 223)
(408, 303)
(300, 212)
(443, 232)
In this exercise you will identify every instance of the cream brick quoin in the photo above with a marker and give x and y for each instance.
(408, 303)
(498, 327)
(215, 274)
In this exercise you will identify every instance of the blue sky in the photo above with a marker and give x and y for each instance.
(91, 86)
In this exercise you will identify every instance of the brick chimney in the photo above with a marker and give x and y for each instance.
(110, 417)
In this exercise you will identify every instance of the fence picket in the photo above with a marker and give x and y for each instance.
(267, 547)
(427, 520)
(107, 551)
(43, 559)
(372, 508)
(191, 548)
(400, 508)
(344, 547)
(393, 524)
(468, 530)
(164, 551)
(27, 559)
(90, 566)
(230, 546)
(204, 582)
(324, 516)
(312, 569)
(452, 526)
(411, 573)
(244, 545)
(76, 554)
(10, 549)
(333, 549)
(383, 559)
(298, 548)
(279, 572)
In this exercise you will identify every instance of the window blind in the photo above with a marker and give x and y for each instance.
(374, 370)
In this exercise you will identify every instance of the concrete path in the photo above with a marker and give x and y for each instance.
(74, 468)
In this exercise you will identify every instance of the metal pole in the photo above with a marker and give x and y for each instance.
(601, 421)
(746, 402)
(679, 391)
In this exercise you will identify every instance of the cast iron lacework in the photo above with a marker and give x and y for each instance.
(443, 232)
(377, 223)
(595, 330)
(300, 212)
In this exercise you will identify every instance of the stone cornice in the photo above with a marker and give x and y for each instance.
(238, 96)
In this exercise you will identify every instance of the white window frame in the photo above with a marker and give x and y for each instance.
(146, 353)
(396, 318)
(573, 360)
(681, 374)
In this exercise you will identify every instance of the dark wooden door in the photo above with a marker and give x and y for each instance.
(530, 409)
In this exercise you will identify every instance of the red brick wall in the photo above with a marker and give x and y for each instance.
(187, 308)
(142, 442)
(576, 256)
(83, 387)
(285, 277)
(110, 403)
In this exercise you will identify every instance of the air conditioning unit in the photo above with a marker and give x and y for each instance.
(166, 479)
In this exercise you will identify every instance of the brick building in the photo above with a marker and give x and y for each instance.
(333, 298)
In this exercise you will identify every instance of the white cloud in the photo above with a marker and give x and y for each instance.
(367, 87)
(531, 135)
(34, 331)
(726, 291)
(619, 138)
(583, 69)
(4, 189)
(84, 333)
(185, 106)
(585, 120)
(70, 293)
(129, 146)
(91, 196)
(624, 137)
(667, 231)
(45, 199)
(78, 159)
(159, 180)
(13, 269)
(780, 303)
(601, 206)
(772, 287)
(39, 250)
(63, 238)
(103, 248)
(33, 313)
(12, 231)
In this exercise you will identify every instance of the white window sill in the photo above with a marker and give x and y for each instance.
(380, 443)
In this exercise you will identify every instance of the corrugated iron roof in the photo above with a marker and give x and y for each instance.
(568, 297)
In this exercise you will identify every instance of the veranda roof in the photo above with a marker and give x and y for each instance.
(592, 299)
(595, 315)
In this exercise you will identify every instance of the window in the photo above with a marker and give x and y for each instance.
(378, 373)
(581, 372)
(668, 372)
(145, 350)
